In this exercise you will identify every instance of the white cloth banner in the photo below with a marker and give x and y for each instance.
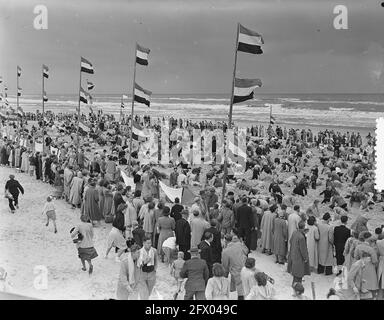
(171, 193)
(38, 147)
(54, 150)
(127, 180)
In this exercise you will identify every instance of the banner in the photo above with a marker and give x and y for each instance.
(38, 147)
(171, 193)
(127, 180)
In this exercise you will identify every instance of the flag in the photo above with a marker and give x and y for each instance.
(45, 98)
(138, 132)
(122, 105)
(249, 41)
(125, 96)
(18, 71)
(1, 97)
(83, 95)
(45, 71)
(1, 79)
(5, 88)
(84, 127)
(142, 55)
(272, 120)
(90, 85)
(243, 90)
(142, 95)
(86, 66)
(6, 102)
(19, 92)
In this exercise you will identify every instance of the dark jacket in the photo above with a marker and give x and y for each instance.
(183, 233)
(298, 263)
(13, 186)
(176, 211)
(197, 274)
(245, 217)
(206, 254)
(215, 244)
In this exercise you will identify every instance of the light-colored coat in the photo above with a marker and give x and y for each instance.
(280, 236)
(369, 271)
(313, 237)
(75, 193)
(233, 260)
(198, 226)
(217, 289)
(380, 268)
(325, 245)
(293, 225)
(266, 227)
(248, 279)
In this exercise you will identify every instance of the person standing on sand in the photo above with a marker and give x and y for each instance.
(183, 234)
(50, 210)
(325, 247)
(280, 237)
(91, 203)
(77, 186)
(14, 188)
(298, 264)
(147, 263)
(85, 247)
(127, 285)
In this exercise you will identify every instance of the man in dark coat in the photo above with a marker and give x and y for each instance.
(197, 274)
(298, 263)
(340, 235)
(183, 234)
(176, 210)
(205, 247)
(216, 243)
(245, 222)
(13, 186)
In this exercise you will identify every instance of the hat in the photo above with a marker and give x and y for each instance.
(194, 250)
(326, 216)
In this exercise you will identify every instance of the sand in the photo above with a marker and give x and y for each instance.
(25, 242)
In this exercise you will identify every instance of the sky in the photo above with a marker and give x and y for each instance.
(192, 45)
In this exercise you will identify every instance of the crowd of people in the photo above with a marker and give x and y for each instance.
(207, 242)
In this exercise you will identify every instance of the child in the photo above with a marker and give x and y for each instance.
(50, 210)
(176, 267)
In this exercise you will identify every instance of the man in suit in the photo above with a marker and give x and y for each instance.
(197, 274)
(183, 234)
(340, 235)
(206, 253)
(216, 243)
(245, 222)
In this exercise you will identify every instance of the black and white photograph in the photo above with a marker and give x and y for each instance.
(192, 150)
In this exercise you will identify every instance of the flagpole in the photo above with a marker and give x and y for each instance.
(42, 73)
(270, 114)
(133, 103)
(78, 118)
(17, 98)
(121, 108)
(230, 117)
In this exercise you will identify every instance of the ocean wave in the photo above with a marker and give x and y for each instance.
(341, 109)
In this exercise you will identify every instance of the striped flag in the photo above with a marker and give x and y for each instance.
(90, 85)
(19, 92)
(18, 71)
(86, 66)
(84, 127)
(272, 120)
(1, 79)
(83, 95)
(122, 105)
(138, 132)
(5, 88)
(249, 41)
(243, 90)
(6, 102)
(45, 71)
(45, 98)
(142, 55)
(1, 97)
(142, 95)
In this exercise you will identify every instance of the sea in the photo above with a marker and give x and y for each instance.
(344, 112)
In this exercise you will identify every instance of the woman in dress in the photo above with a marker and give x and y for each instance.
(166, 225)
(24, 161)
(218, 286)
(77, 184)
(313, 237)
(349, 246)
(85, 247)
(149, 220)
